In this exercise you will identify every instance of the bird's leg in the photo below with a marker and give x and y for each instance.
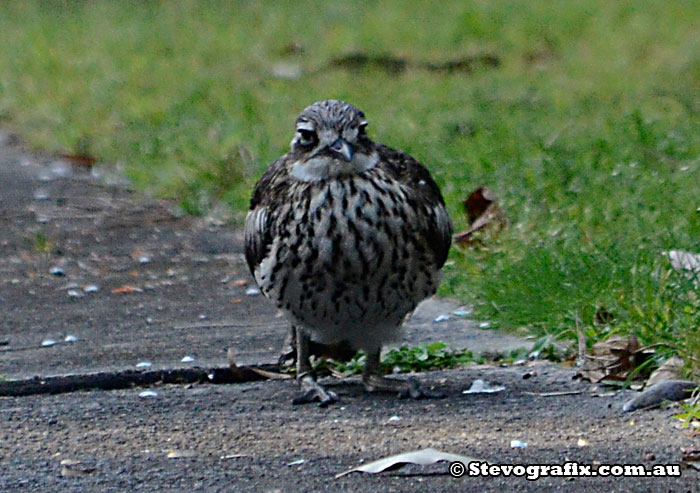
(289, 355)
(375, 382)
(311, 390)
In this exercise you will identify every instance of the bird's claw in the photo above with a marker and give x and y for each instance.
(312, 391)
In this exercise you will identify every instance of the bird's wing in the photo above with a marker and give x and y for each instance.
(258, 222)
(423, 192)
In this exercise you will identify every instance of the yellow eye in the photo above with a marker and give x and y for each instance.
(306, 137)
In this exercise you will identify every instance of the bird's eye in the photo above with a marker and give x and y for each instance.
(306, 137)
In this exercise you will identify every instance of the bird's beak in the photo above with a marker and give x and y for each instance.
(343, 149)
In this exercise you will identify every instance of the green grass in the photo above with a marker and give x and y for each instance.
(587, 130)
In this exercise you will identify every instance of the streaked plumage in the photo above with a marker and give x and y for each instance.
(346, 235)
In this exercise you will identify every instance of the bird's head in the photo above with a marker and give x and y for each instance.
(330, 141)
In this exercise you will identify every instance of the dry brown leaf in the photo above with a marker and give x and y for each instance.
(613, 359)
(669, 370)
(81, 159)
(482, 210)
(691, 454)
(245, 373)
(126, 289)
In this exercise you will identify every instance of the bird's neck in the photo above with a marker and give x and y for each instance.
(324, 167)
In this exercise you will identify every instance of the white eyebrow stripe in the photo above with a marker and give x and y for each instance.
(305, 126)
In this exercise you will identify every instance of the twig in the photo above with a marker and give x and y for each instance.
(131, 378)
(555, 394)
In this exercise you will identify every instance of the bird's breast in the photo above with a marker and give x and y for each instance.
(348, 257)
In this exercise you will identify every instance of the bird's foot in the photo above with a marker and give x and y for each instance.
(312, 391)
(404, 388)
(287, 359)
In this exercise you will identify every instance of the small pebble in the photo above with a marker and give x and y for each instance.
(56, 271)
(74, 293)
(41, 194)
(203, 317)
(441, 318)
(484, 325)
(394, 418)
(296, 462)
(461, 313)
(60, 169)
(517, 444)
(252, 292)
(48, 343)
(144, 259)
(148, 393)
(91, 288)
(70, 338)
(187, 359)
(143, 364)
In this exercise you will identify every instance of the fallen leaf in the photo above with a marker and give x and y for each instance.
(248, 373)
(181, 454)
(684, 261)
(669, 370)
(81, 159)
(286, 70)
(422, 457)
(240, 282)
(482, 209)
(614, 359)
(481, 387)
(668, 390)
(73, 468)
(126, 289)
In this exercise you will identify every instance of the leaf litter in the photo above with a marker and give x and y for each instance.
(423, 457)
(482, 211)
(482, 387)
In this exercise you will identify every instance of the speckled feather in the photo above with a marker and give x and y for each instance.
(347, 256)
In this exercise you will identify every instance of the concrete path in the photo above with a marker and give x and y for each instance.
(130, 281)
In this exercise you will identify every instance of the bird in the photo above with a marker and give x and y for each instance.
(346, 236)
